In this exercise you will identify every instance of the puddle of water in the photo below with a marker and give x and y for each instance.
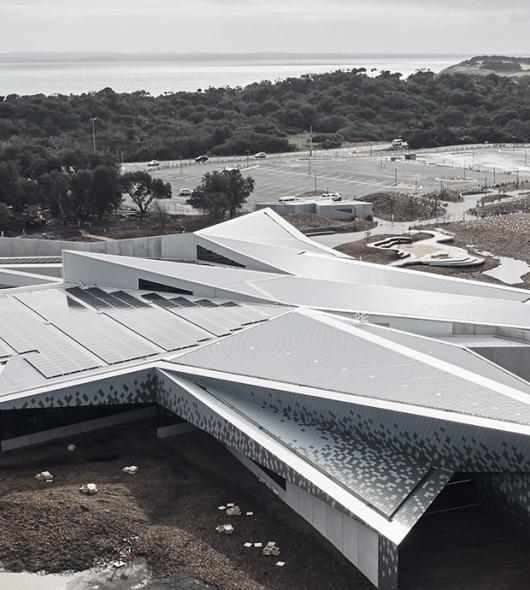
(134, 577)
(27, 581)
(509, 271)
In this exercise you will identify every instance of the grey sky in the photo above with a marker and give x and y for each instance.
(352, 26)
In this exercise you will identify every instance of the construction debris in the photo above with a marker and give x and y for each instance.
(44, 476)
(89, 489)
(131, 470)
(225, 529)
(271, 549)
(71, 447)
(233, 511)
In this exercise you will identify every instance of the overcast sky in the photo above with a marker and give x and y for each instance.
(350, 26)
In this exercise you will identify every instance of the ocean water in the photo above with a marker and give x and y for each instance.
(75, 75)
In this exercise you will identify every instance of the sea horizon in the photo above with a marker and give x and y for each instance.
(28, 73)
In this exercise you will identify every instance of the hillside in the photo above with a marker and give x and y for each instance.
(500, 65)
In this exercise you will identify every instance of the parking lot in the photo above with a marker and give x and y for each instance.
(354, 173)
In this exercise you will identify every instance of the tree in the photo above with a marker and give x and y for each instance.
(105, 192)
(161, 217)
(162, 191)
(143, 189)
(9, 183)
(54, 191)
(81, 184)
(220, 193)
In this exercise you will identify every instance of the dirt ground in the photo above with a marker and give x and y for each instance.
(171, 505)
(504, 235)
(501, 237)
(405, 207)
(361, 251)
(118, 229)
(309, 223)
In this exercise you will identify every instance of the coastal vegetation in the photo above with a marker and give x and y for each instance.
(57, 152)
(485, 65)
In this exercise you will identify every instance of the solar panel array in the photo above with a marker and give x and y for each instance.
(98, 333)
(5, 350)
(220, 319)
(25, 332)
(60, 332)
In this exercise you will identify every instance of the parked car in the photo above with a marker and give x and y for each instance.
(333, 196)
(230, 169)
(260, 155)
(201, 159)
(153, 163)
(185, 192)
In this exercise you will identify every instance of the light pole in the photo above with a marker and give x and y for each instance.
(93, 120)
(248, 158)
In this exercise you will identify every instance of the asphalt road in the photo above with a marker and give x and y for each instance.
(354, 173)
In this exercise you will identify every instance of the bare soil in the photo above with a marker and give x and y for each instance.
(118, 229)
(405, 207)
(507, 235)
(361, 251)
(309, 223)
(171, 504)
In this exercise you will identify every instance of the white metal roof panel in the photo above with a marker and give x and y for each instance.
(316, 352)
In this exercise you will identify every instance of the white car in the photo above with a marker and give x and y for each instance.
(332, 196)
(260, 155)
(153, 163)
(185, 192)
(230, 169)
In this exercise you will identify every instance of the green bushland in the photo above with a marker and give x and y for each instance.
(46, 141)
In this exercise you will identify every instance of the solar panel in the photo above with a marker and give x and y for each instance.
(201, 316)
(206, 303)
(129, 299)
(74, 304)
(98, 333)
(159, 300)
(182, 302)
(5, 350)
(166, 330)
(107, 297)
(27, 332)
(88, 298)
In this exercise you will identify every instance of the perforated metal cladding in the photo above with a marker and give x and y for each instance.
(132, 388)
(508, 494)
(454, 445)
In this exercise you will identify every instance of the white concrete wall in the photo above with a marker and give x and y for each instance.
(358, 543)
(13, 278)
(178, 247)
(149, 247)
(47, 270)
